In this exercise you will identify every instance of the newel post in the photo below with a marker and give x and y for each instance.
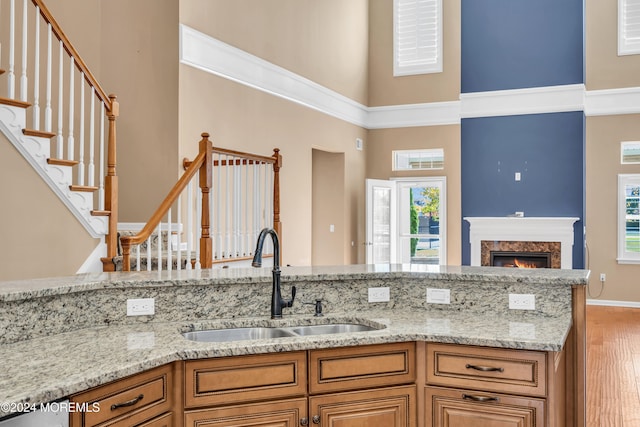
(111, 185)
(277, 224)
(206, 179)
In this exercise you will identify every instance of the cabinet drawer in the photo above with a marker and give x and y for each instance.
(463, 408)
(282, 413)
(351, 368)
(245, 378)
(501, 370)
(165, 420)
(136, 398)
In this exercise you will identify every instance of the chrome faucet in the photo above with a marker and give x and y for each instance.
(277, 302)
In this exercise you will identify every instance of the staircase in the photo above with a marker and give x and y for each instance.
(55, 113)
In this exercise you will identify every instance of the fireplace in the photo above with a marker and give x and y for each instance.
(553, 235)
(520, 259)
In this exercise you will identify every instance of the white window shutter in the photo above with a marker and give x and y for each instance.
(628, 27)
(417, 37)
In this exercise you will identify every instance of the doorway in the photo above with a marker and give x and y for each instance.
(328, 208)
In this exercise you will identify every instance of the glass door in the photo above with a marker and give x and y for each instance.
(381, 221)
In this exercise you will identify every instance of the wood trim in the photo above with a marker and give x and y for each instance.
(14, 102)
(39, 133)
(62, 162)
(100, 213)
(83, 188)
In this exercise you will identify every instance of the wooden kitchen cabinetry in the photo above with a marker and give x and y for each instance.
(351, 386)
(143, 400)
(487, 387)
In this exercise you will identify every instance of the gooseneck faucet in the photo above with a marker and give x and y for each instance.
(277, 302)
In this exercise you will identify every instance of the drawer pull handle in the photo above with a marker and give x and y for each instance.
(480, 398)
(316, 419)
(484, 368)
(304, 422)
(127, 403)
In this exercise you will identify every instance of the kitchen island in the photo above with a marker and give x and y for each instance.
(63, 336)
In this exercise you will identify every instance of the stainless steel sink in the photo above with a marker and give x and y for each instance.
(236, 334)
(257, 333)
(337, 328)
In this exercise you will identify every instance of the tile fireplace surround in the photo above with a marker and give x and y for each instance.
(522, 233)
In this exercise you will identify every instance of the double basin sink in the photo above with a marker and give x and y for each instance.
(256, 333)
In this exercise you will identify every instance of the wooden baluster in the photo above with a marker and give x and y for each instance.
(206, 255)
(277, 225)
(190, 231)
(70, 139)
(23, 75)
(60, 137)
(47, 108)
(92, 137)
(101, 159)
(12, 29)
(36, 72)
(111, 180)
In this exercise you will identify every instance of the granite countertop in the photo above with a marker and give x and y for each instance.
(47, 368)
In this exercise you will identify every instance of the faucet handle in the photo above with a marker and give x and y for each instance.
(289, 303)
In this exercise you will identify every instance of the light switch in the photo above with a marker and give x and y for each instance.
(518, 176)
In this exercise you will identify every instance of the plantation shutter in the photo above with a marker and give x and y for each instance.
(418, 36)
(628, 27)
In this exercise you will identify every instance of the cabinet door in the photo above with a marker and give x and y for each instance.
(463, 408)
(165, 420)
(284, 413)
(385, 407)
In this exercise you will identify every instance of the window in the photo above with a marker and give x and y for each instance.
(418, 159)
(629, 218)
(628, 27)
(630, 152)
(417, 37)
(421, 221)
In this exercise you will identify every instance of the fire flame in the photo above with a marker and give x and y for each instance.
(524, 264)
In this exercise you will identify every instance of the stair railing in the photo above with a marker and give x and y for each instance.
(220, 203)
(56, 82)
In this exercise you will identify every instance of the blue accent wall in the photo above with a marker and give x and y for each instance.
(548, 151)
(510, 44)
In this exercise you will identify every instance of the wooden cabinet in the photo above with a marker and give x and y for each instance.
(464, 408)
(384, 407)
(341, 387)
(144, 399)
(488, 387)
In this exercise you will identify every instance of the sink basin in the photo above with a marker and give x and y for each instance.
(257, 333)
(338, 328)
(236, 334)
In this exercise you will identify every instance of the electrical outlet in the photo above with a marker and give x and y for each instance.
(141, 307)
(603, 277)
(522, 301)
(379, 294)
(438, 296)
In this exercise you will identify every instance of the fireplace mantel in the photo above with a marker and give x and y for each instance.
(532, 229)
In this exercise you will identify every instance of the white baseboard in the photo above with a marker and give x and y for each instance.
(612, 303)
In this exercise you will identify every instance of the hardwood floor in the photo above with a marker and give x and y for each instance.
(613, 366)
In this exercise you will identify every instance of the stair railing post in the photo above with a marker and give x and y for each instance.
(277, 224)
(206, 179)
(111, 185)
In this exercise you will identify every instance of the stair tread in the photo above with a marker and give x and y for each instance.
(84, 188)
(2, 71)
(62, 162)
(41, 133)
(100, 213)
(14, 102)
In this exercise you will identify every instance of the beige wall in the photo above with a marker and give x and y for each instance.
(40, 237)
(604, 135)
(140, 65)
(384, 89)
(383, 142)
(324, 41)
(245, 119)
(604, 68)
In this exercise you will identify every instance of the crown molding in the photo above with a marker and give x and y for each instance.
(612, 101)
(538, 100)
(213, 56)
